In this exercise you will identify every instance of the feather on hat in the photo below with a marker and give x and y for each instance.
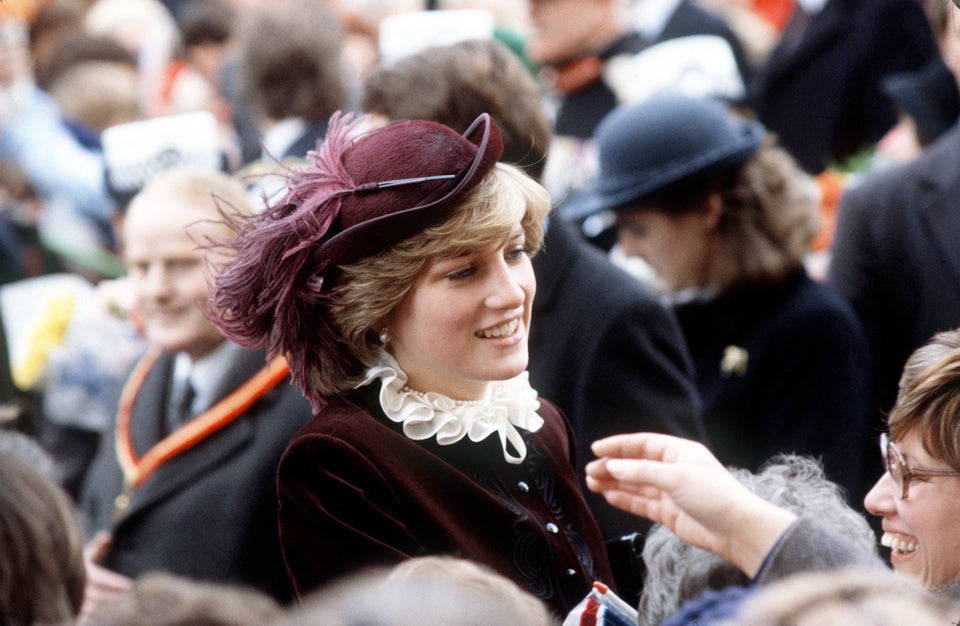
(358, 195)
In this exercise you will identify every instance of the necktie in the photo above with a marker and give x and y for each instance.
(182, 408)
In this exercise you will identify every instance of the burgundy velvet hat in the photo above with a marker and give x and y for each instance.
(357, 195)
(402, 178)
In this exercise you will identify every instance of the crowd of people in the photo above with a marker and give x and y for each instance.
(479, 311)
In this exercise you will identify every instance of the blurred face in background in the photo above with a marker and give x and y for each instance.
(167, 271)
(676, 246)
(561, 30)
(921, 530)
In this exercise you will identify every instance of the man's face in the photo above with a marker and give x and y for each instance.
(167, 272)
(561, 30)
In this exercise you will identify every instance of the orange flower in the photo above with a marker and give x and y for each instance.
(831, 185)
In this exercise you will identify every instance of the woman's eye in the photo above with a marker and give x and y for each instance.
(460, 274)
(517, 253)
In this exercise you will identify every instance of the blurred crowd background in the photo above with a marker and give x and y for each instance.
(97, 96)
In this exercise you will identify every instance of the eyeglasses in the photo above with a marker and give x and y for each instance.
(900, 471)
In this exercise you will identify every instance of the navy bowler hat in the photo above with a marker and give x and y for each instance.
(645, 147)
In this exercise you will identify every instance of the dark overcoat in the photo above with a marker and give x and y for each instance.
(823, 98)
(784, 368)
(211, 512)
(896, 257)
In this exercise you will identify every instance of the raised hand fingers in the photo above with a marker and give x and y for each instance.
(654, 447)
(629, 478)
(637, 504)
(651, 446)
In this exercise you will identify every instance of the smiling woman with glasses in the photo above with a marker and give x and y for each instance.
(681, 484)
(918, 497)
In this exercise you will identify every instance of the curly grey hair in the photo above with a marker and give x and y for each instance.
(677, 572)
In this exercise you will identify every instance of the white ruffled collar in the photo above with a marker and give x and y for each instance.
(511, 405)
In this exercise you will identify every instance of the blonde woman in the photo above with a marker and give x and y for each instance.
(395, 276)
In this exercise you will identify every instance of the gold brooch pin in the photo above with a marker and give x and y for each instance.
(734, 361)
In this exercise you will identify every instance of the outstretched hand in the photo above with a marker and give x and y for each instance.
(680, 484)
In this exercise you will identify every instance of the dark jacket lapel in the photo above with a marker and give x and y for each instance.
(829, 26)
(213, 451)
(939, 202)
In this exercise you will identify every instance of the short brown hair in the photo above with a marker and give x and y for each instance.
(928, 401)
(454, 84)
(289, 62)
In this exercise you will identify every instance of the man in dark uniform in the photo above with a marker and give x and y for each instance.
(184, 480)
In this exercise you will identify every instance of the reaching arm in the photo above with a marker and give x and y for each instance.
(680, 484)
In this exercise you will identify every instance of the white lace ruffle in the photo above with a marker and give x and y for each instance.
(511, 405)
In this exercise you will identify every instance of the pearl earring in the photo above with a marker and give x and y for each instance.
(384, 336)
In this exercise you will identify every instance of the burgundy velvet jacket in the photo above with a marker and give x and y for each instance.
(355, 491)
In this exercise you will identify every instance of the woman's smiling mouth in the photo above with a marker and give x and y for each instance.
(899, 543)
(503, 330)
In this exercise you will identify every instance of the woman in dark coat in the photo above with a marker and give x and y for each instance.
(724, 218)
(396, 279)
